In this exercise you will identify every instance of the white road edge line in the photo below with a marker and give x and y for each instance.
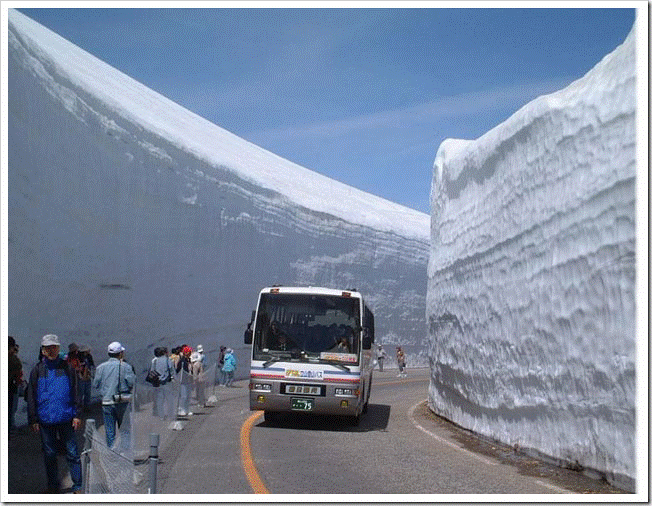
(445, 441)
(457, 447)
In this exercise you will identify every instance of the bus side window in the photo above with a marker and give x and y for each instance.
(368, 337)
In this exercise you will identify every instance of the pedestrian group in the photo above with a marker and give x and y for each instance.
(59, 388)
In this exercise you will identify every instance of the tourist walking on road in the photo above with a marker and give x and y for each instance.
(53, 410)
(202, 355)
(175, 355)
(15, 381)
(220, 365)
(400, 360)
(164, 366)
(85, 374)
(381, 355)
(229, 367)
(197, 369)
(115, 380)
(184, 370)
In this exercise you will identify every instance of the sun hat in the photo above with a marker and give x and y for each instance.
(50, 340)
(115, 347)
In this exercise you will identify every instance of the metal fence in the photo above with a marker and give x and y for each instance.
(154, 413)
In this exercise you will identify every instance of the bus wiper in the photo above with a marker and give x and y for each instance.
(271, 361)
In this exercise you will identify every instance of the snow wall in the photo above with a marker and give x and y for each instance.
(132, 219)
(531, 279)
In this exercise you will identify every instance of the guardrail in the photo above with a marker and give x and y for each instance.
(150, 423)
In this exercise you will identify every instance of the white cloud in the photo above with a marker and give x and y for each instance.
(464, 105)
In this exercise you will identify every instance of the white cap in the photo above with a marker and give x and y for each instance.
(200, 348)
(50, 340)
(115, 347)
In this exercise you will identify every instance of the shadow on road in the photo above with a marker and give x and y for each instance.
(376, 418)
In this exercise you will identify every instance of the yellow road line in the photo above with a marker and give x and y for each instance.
(245, 454)
(398, 382)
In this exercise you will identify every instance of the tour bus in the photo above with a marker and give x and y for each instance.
(311, 352)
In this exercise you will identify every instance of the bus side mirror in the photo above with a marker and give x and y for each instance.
(249, 334)
(367, 339)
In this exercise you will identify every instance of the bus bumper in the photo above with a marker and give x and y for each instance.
(332, 404)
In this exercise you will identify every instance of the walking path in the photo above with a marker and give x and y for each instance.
(25, 465)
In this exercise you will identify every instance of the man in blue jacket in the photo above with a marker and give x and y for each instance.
(53, 409)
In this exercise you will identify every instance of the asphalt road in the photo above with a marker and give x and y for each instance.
(400, 447)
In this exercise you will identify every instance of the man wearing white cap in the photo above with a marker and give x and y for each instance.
(115, 381)
(53, 407)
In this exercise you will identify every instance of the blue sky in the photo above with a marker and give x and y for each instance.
(364, 96)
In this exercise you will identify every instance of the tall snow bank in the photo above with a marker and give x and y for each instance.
(530, 301)
(132, 219)
(202, 139)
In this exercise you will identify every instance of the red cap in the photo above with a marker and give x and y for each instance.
(186, 349)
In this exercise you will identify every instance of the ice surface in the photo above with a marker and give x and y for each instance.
(530, 301)
(131, 218)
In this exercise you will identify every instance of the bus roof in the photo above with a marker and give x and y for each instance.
(317, 290)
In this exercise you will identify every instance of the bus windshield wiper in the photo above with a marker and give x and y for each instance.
(271, 361)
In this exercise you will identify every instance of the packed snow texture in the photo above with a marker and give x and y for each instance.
(530, 300)
(131, 218)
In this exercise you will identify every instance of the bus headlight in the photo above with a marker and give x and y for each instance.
(265, 387)
(345, 392)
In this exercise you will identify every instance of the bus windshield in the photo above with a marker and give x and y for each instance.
(311, 327)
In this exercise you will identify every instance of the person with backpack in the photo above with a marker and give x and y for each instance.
(161, 369)
(53, 410)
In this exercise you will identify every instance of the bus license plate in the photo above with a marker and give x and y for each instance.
(302, 404)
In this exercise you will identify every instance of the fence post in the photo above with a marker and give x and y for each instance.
(153, 462)
(89, 431)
